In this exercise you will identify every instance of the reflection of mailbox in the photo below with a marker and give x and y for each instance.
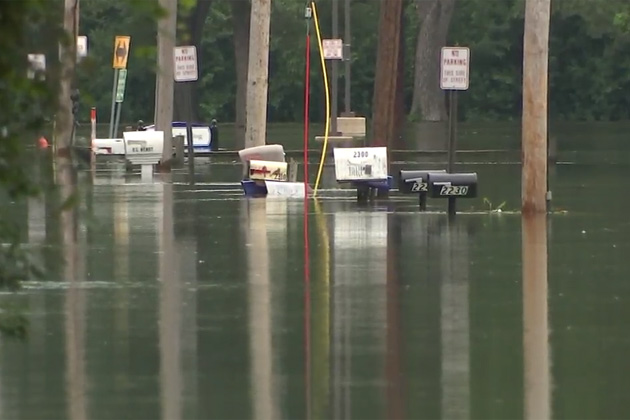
(415, 181)
(445, 185)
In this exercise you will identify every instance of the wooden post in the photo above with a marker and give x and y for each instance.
(164, 83)
(67, 53)
(257, 74)
(535, 79)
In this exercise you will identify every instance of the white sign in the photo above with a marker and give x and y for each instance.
(360, 164)
(455, 64)
(201, 135)
(333, 49)
(37, 64)
(82, 46)
(284, 189)
(185, 64)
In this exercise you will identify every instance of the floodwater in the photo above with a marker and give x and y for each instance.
(193, 302)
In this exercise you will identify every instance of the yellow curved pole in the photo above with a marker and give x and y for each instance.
(325, 75)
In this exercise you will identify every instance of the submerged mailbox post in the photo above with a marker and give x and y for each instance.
(365, 168)
(452, 186)
(416, 182)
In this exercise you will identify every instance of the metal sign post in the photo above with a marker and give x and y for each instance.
(120, 95)
(121, 55)
(186, 70)
(454, 65)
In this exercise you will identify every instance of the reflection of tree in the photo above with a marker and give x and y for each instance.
(260, 325)
(170, 312)
(320, 331)
(535, 318)
(394, 371)
(455, 322)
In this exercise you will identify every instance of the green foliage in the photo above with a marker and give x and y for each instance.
(588, 77)
(28, 104)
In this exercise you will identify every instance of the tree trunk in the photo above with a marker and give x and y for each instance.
(535, 85)
(164, 83)
(399, 103)
(67, 53)
(386, 83)
(258, 74)
(428, 99)
(186, 98)
(241, 20)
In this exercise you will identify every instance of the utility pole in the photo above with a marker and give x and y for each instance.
(335, 76)
(347, 59)
(535, 82)
(165, 82)
(257, 74)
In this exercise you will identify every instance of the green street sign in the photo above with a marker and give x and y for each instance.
(120, 86)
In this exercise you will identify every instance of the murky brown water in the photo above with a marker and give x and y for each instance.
(195, 302)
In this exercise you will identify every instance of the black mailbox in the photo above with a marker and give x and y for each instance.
(445, 185)
(415, 181)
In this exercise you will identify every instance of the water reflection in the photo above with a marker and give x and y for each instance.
(170, 309)
(260, 311)
(535, 319)
(455, 323)
(359, 302)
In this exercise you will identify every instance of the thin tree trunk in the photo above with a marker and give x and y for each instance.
(164, 84)
(258, 74)
(399, 107)
(241, 20)
(535, 84)
(384, 125)
(428, 99)
(67, 52)
(186, 97)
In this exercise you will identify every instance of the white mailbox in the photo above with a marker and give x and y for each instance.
(108, 147)
(360, 163)
(144, 147)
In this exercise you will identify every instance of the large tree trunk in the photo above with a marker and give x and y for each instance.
(241, 20)
(386, 83)
(428, 99)
(258, 74)
(186, 98)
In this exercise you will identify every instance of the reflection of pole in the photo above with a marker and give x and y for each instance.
(395, 389)
(535, 319)
(260, 299)
(121, 271)
(455, 324)
(74, 307)
(170, 311)
(321, 325)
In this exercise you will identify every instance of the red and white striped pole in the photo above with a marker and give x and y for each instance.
(93, 122)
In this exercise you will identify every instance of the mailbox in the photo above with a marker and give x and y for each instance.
(415, 181)
(144, 147)
(445, 185)
(262, 170)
